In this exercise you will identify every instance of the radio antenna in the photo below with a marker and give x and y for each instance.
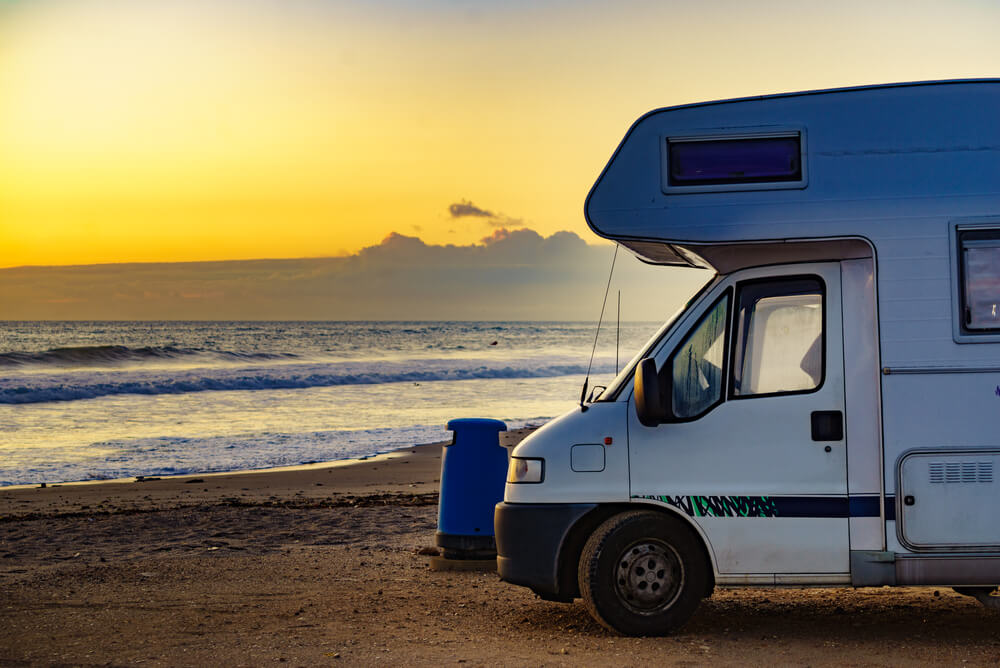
(586, 381)
(618, 330)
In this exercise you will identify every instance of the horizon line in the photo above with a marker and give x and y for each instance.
(48, 320)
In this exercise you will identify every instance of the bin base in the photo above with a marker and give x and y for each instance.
(455, 546)
(445, 564)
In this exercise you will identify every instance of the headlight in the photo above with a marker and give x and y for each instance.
(525, 470)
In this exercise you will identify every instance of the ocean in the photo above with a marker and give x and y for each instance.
(102, 400)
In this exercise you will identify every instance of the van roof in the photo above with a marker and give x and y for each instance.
(833, 164)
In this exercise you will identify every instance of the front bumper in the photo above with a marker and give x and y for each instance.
(529, 538)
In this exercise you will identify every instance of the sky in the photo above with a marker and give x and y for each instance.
(185, 131)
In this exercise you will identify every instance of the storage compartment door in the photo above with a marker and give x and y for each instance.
(947, 499)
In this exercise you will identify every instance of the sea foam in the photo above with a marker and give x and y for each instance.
(76, 385)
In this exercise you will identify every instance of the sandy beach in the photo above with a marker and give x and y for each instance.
(327, 565)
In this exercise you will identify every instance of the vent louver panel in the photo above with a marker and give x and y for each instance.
(960, 472)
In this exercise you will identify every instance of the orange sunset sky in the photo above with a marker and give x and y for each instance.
(162, 131)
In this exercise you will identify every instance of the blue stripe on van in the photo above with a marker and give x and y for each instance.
(864, 506)
(890, 507)
(861, 505)
(812, 506)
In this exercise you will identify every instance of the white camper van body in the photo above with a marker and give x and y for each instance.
(843, 423)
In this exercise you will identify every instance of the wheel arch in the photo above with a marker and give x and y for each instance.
(576, 537)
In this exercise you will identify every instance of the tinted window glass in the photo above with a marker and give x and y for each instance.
(697, 366)
(981, 279)
(779, 345)
(726, 161)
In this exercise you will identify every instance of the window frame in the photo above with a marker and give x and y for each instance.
(986, 228)
(666, 372)
(765, 132)
(777, 280)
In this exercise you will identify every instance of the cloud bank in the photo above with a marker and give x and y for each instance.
(509, 275)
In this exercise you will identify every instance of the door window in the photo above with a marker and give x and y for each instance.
(698, 364)
(779, 345)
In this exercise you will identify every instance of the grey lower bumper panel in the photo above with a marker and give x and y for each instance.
(529, 537)
(873, 569)
(961, 570)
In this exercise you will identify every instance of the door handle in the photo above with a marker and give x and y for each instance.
(827, 425)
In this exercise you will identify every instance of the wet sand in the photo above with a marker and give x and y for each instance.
(324, 566)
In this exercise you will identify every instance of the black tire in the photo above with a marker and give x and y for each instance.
(643, 573)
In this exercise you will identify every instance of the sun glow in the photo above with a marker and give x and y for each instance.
(169, 131)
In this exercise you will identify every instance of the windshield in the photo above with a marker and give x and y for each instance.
(622, 380)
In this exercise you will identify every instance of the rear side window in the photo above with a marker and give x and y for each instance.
(779, 346)
(980, 280)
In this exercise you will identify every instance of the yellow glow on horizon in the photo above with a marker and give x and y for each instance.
(175, 131)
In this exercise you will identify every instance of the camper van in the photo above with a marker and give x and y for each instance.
(826, 410)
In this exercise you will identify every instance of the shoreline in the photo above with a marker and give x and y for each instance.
(529, 426)
(396, 452)
(406, 475)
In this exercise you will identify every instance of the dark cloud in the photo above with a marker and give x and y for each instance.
(466, 208)
(510, 275)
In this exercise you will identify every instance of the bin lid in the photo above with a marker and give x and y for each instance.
(478, 424)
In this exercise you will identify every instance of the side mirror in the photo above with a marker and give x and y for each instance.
(650, 406)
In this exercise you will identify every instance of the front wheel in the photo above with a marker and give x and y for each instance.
(643, 573)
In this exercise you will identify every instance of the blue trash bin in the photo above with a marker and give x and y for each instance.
(473, 473)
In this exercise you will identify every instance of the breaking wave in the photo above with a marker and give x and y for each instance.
(38, 388)
(109, 355)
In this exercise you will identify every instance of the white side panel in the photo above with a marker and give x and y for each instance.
(918, 312)
(939, 411)
(937, 393)
(862, 400)
(867, 533)
(915, 306)
(738, 548)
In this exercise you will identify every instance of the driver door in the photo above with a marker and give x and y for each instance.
(756, 454)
